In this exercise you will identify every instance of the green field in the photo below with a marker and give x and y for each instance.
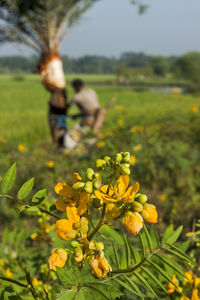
(167, 132)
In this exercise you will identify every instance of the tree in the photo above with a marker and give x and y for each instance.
(159, 65)
(188, 66)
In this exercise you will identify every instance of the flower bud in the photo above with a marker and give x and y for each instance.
(142, 198)
(100, 163)
(84, 225)
(75, 244)
(133, 222)
(58, 258)
(89, 187)
(78, 254)
(77, 225)
(118, 157)
(107, 160)
(89, 173)
(152, 213)
(127, 157)
(78, 185)
(71, 234)
(96, 184)
(99, 246)
(92, 245)
(136, 206)
(125, 169)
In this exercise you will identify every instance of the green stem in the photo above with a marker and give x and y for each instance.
(136, 266)
(14, 281)
(48, 213)
(30, 285)
(100, 223)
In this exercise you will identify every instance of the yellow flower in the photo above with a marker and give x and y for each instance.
(190, 234)
(120, 123)
(195, 108)
(80, 149)
(58, 258)
(112, 211)
(100, 266)
(137, 147)
(22, 148)
(8, 272)
(150, 214)
(133, 222)
(100, 144)
(184, 298)
(118, 193)
(35, 281)
(133, 130)
(67, 229)
(34, 236)
(170, 287)
(195, 294)
(196, 282)
(188, 278)
(162, 197)
(133, 160)
(50, 164)
(70, 197)
(119, 107)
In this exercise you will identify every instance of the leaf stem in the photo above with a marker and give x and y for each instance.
(100, 223)
(13, 281)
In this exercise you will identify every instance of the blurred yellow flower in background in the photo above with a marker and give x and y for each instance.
(133, 160)
(170, 287)
(34, 236)
(120, 123)
(195, 108)
(100, 144)
(119, 107)
(50, 164)
(133, 130)
(8, 272)
(22, 148)
(163, 197)
(3, 140)
(137, 147)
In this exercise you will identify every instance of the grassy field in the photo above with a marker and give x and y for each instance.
(161, 130)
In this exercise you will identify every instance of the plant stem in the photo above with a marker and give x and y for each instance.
(136, 266)
(100, 223)
(30, 285)
(13, 281)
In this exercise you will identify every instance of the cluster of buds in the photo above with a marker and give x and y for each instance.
(92, 182)
(121, 202)
(121, 162)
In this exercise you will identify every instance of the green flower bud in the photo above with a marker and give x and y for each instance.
(96, 184)
(71, 234)
(100, 163)
(127, 158)
(97, 203)
(92, 245)
(142, 198)
(118, 157)
(136, 206)
(107, 160)
(75, 244)
(96, 175)
(78, 252)
(78, 185)
(99, 246)
(77, 225)
(125, 170)
(89, 173)
(84, 225)
(89, 187)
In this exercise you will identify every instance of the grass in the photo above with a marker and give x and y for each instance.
(168, 158)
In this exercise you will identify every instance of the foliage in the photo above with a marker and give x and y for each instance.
(140, 266)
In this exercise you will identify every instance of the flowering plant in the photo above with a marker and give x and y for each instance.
(105, 249)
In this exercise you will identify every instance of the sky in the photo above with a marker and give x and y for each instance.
(112, 27)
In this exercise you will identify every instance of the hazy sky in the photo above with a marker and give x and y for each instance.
(111, 27)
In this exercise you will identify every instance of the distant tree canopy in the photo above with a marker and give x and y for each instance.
(188, 66)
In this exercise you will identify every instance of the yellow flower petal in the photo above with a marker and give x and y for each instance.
(121, 185)
(76, 177)
(83, 203)
(64, 225)
(72, 214)
(61, 205)
(131, 192)
(64, 190)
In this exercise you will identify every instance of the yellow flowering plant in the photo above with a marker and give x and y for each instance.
(103, 249)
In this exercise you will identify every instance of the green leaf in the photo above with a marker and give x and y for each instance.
(32, 209)
(154, 278)
(127, 287)
(25, 189)
(162, 272)
(177, 253)
(148, 238)
(133, 285)
(167, 234)
(112, 234)
(9, 179)
(142, 244)
(127, 250)
(39, 196)
(154, 237)
(69, 277)
(173, 247)
(116, 255)
(67, 294)
(135, 254)
(172, 239)
(105, 290)
(171, 265)
(146, 284)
